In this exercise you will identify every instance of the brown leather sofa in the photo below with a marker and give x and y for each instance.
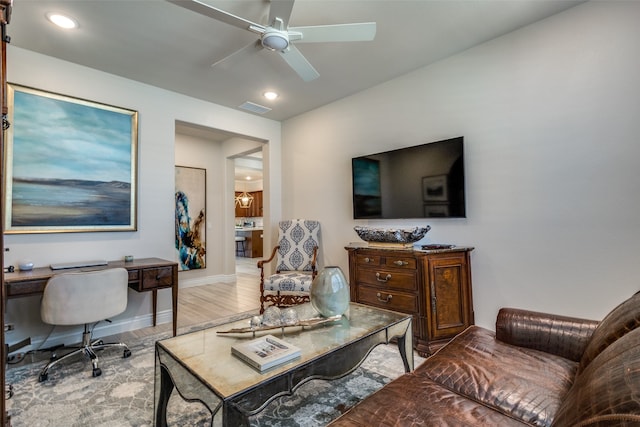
(536, 370)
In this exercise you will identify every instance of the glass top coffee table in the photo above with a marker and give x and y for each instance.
(200, 366)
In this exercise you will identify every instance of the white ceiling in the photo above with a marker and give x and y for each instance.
(164, 45)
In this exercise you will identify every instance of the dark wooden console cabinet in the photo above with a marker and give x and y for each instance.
(433, 285)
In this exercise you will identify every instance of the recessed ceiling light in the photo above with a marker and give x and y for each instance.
(270, 95)
(62, 21)
(248, 178)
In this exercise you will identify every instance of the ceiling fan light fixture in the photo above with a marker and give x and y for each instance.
(275, 40)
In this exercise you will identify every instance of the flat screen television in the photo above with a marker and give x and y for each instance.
(423, 181)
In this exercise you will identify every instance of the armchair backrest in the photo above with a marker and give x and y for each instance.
(298, 241)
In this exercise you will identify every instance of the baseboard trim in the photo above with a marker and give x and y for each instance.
(207, 280)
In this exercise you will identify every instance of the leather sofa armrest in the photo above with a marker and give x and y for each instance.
(560, 335)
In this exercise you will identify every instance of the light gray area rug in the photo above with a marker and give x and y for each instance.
(123, 395)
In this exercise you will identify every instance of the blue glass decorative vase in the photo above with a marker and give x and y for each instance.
(330, 292)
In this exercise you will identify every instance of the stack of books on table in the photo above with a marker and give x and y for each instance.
(265, 352)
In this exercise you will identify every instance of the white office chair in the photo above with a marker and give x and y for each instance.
(83, 298)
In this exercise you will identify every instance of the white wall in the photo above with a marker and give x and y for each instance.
(550, 116)
(214, 157)
(158, 110)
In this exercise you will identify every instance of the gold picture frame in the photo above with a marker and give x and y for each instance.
(70, 164)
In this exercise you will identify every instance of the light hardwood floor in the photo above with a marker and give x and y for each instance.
(197, 304)
(201, 304)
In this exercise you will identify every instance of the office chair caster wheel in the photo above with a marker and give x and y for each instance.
(127, 353)
(43, 377)
(97, 372)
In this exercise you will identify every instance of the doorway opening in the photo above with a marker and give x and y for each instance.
(234, 158)
(248, 210)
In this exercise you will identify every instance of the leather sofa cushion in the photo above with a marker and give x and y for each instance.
(560, 335)
(411, 401)
(522, 383)
(621, 320)
(607, 392)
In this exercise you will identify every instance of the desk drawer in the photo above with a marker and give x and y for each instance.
(153, 278)
(391, 300)
(25, 288)
(388, 279)
(134, 275)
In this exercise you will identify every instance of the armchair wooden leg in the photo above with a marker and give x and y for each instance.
(261, 296)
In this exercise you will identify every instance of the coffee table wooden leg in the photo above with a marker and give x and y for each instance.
(163, 393)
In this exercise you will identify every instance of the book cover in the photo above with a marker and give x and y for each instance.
(265, 352)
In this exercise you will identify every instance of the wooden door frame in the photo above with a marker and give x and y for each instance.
(5, 17)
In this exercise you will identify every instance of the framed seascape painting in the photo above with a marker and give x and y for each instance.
(71, 164)
(191, 191)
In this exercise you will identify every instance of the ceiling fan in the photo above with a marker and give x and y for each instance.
(277, 36)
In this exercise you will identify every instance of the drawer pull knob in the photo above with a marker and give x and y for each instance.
(385, 280)
(367, 259)
(401, 263)
(386, 300)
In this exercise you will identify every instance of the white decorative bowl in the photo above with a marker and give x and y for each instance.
(25, 266)
(392, 237)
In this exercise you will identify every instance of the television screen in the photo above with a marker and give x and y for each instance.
(424, 181)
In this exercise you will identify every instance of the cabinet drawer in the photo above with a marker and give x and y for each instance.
(160, 277)
(409, 263)
(400, 262)
(388, 279)
(368, 260)
(397, 301)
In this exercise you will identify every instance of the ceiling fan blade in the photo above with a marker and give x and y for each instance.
(238, 54)
(363, 31)
(299, 63)
(219, 14)
(280, 9)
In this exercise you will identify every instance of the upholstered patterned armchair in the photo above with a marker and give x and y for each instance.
(297, 252)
